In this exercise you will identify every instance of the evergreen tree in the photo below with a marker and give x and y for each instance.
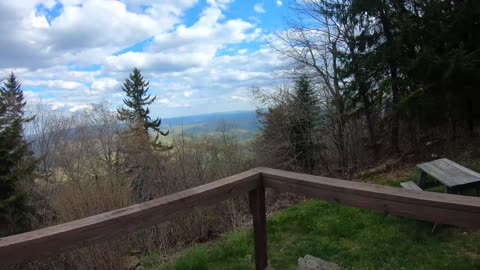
(137, 101)
(288, 138)
(16, 160)
(141, 155)
(304, 121)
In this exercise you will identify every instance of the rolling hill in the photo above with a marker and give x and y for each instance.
(244, 124)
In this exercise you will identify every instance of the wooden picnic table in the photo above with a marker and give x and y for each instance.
(454, 176)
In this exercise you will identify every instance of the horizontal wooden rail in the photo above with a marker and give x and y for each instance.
(53, 240)
(442, 208)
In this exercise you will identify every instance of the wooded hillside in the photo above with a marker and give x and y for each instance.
(391, 79)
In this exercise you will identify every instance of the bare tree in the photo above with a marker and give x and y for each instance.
(315, 42)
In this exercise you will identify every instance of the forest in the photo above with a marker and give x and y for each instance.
(372, 83)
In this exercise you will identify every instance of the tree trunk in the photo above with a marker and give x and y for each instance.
(394, 77)
(367, 110)
(470, 117)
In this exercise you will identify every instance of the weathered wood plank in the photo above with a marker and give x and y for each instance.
(53, 240)
(437, 207)
(258, 211)
(449, 173)
(462, 168)
(443, 175)
(410, 185)
(439, 174)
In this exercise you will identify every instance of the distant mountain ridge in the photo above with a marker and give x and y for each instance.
(245, 122)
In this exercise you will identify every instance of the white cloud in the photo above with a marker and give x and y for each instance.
(70, 85)
(57, 106)
(259, 8)
(38, 21)
(113, 26)
(80, 107)
(241, 98)
(179, 105)
(30, 95)
(164, 101)
(173, 103)
(279, 3)
(85, 31)
(219, 3)
(201, 66)
(188, 46)
(53, 74)
(104, 85)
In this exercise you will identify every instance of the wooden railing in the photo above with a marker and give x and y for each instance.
(436, 207)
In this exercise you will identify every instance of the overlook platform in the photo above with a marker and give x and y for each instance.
(435, 207)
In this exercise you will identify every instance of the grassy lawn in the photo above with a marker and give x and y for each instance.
(353, 238)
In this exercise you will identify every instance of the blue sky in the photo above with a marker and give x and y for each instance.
(200, 56)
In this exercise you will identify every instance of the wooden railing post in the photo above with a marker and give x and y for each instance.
(257, 208)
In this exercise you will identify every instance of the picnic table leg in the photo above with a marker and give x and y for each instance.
(453, 190)
(421, 182)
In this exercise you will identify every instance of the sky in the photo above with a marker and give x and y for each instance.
(200, 56)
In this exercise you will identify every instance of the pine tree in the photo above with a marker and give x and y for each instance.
(141, 155)
(16, 159)
(287, 139)
(137, 101)
(304, 120)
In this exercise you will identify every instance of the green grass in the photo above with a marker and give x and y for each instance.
(353, 238)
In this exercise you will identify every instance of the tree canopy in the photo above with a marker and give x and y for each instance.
(392, 76)
(16, 160)
(137, 101)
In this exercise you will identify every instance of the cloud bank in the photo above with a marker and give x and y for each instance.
(73, 53)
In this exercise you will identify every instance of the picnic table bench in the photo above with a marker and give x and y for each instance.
(454, 176)
(411, 186)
